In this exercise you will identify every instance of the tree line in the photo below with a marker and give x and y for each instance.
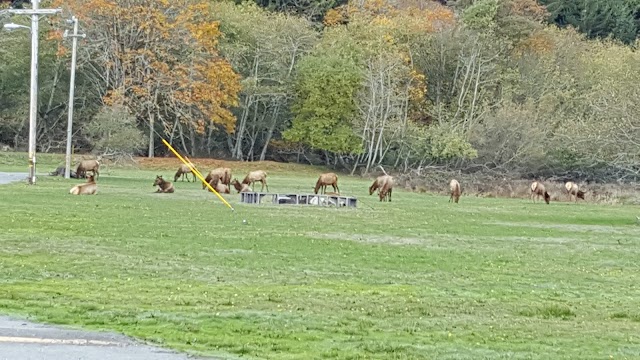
(503, 86)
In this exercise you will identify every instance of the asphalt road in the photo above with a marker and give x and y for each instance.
(24, 340)
(6, 178)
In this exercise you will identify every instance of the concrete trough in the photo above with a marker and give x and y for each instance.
(298, 199)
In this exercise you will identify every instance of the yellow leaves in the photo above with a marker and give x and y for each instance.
(418, 88)
(388, 38)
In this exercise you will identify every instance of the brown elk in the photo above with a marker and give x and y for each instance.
(454, 186)
(254, 176)
(377, 183)
(219, 186)
(163, 185)
(184, 171)
(88, 165)
(88, 188)
(325, 180)
(384, 185)
(386, 190)
(538, 190)
(240, 186)
(574, 191)
(223, 174)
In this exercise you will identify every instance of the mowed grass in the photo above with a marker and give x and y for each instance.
(417, 278)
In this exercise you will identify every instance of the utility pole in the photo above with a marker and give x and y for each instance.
(72, 85)
(33, 102)
(35, 13)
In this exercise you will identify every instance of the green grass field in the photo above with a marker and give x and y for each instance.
(417, 278)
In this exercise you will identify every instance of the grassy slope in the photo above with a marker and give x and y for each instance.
(414, 278)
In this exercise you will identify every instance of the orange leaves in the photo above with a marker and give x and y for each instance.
(335, 17)
(113, 97)
(538, 43)
(206, 35)
(219, 86)
(61, 50)
(56, 36)
(161, 56)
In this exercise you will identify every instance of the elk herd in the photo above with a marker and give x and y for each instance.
(220, 179)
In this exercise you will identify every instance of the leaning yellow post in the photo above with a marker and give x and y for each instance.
(197, 173)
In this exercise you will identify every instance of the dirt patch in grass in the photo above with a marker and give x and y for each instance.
(204, 164)
(371, 239)
(445, 240)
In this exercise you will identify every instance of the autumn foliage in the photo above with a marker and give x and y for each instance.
(160, 59)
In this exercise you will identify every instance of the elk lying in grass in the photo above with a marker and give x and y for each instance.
(325, 180)
(163, 185)
(223, 175)
(184, 171)
(574, 191)
(384, 185)
(255, 176)
(88, 165)
(88, 188)
(240, 186)
(454, 187)
(217, 184)
(538, 190)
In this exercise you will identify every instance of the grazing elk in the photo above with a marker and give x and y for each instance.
(184, 171)
(88, 165)
(574, 190)
(377, 183)
(219, 186)
(240, 186)
(325, 180)
(538, 190)
(454, 187)
(88, 188)
(163, 185)
(384, 185)
(254, 176)
(223, 175)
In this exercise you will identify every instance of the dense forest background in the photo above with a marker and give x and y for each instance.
(526, 87)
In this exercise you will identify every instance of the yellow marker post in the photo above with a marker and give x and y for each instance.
(197, 173)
